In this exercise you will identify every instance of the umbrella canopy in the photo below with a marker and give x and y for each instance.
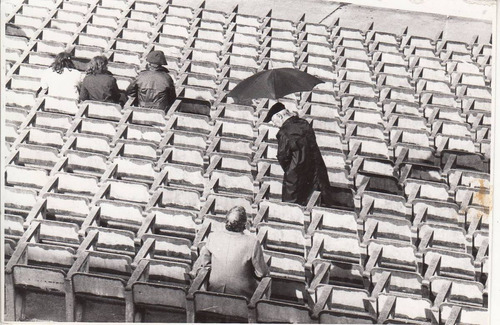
(274, 84)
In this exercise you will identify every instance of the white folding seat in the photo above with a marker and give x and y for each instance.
(39, 136)
(19, 201)
(19, 176)
(447, 263)
(462, 314)
(114, 214)
(334, 246)
(61, 207)
(402, 308)
(34, 155)
(176, 197)
(170, 222)
(126, 191)
(336, 304)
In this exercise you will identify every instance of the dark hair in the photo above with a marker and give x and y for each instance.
(98, 65)
(238, 223)
(62, 60)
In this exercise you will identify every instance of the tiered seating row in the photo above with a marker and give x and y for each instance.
(105, 201)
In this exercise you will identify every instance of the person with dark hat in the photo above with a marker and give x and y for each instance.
(299, 156)
(154, 88)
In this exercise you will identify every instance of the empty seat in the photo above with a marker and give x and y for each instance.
(34, 155)
(101, 110)
(167, 248)
(81, 163)
(447, 263)
(140, 133)
(280, 213)
(170, 222)
(180, 175)
(389, 254)
(400, 308)
(462, 314)
(176, 197)
(39, 267)
(19, 201)
(337, 304)
(30, 177)
(156, 284)
(126, 191)
(230, 182)
(332, 246)
(283, 300)
(105, 275)
(131, 169)
(456, 291)
(231, 146)
(67, 183)
(39, 136)
(114, 214)
(389, 280)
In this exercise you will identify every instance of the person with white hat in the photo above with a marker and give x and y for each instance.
(154, 87)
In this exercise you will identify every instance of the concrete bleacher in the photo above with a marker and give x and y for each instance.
(113, 204)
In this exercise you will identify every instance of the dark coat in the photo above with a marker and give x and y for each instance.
(101, 87)
(300, 158)
(153, 89)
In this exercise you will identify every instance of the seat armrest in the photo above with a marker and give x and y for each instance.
(322, 275)
(313, 200)
(92, 219)
(17, 257)
(81, 264)
(38, 209)
(89, 241)
(263, 193)
(263, 290)
(140, 273)
(321, 302)
(198, 282)
(146, 227)
(147, 250)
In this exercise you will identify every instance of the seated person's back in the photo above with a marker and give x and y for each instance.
(235, 257)
(99, 84)
(154, 88)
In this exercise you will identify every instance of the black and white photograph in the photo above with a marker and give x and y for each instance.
(258, 161)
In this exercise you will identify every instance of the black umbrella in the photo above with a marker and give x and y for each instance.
(274, 84)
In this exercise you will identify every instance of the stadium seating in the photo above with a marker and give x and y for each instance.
(113, 203)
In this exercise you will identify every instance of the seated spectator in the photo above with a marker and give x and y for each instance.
(99, 84)
(235, 257)
(154, 88)
(62, 79)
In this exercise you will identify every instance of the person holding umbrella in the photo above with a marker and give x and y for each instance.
(298, 151)
(298, 155)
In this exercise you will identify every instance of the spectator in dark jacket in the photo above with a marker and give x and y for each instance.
(299, 156)
(154, 88)
(99, 84)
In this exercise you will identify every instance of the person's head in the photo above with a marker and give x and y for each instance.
(98, 65)
(155, 59)
(62, 60)
(236, 219)
(277, 114)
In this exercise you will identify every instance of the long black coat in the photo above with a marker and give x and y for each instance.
(300, 158)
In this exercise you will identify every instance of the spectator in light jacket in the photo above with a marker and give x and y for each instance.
(235, 257)
(62, 79)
